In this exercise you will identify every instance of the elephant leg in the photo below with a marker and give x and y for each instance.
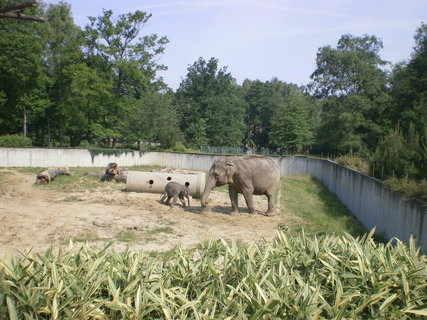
(168, 200)
(234, 200)
(162, 199)
(175, 199)
(182, 201)
(248, 194)
(271, 205)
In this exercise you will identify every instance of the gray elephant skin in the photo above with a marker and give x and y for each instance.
(249, 175)
(176, 190)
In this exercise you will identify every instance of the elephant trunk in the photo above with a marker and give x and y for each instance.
(210, 184)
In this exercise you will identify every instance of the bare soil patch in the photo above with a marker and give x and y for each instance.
(34, 217)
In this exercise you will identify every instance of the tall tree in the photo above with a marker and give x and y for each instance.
(116, 47)
(292, 127)
(263, 100)
(63, 40)
(152, 118)
(409, 86)
(210, 97)
(22, 77)
(85, 106)
(127, 60)
(409, 92)
(353, 85)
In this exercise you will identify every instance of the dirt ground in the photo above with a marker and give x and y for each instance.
(36, 217)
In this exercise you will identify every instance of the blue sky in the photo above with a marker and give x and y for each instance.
(262, 39)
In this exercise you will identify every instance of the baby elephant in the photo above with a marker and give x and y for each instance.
(176, 190)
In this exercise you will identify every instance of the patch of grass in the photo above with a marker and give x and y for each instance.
(320, 210)
(152, 235)
(72, 199)
(88, 237)
(135, 236)
(74, 183)
(128, 236)
(163, 230)
(34, 171)
(170, 223)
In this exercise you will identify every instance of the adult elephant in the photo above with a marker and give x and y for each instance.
(248, 175)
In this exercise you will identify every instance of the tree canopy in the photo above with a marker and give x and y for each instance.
(352, 85)
(209, 99)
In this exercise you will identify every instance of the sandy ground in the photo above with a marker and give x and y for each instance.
(37, 217)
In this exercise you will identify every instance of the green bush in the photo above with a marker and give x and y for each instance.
(179, 147)
(399, 154)
(14, 141)
(354, 162)
(324, 277)
(408, 188)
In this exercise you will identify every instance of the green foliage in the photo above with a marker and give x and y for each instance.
(196, 133)
(116, 47)
(355, 162)
(211, 95)
(63, 41)
(352, 68)
(86, 109)
(408, 188)
(73, 87)
(22, 77)
(353, 85)
(153, 118)
(292, 126)
(409, 109)
(179, 147)
(293, 278)
(397, 155)
(262, 99)
(14, 141)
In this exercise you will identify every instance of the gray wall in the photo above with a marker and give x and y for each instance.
(365, 197)
(38, 157)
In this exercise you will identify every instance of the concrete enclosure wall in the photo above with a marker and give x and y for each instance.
(38, 157)
(364, 196)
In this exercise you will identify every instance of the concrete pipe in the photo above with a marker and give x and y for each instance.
(155, 182)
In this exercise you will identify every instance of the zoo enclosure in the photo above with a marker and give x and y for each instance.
(364, 196)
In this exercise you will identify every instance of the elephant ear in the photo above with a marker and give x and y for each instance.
(230, 171)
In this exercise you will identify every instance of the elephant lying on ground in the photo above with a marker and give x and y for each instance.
(249, 175)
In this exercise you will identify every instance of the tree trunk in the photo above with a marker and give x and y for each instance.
(24, 122)
(48, 175)
(49, 141)
(61, 132)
